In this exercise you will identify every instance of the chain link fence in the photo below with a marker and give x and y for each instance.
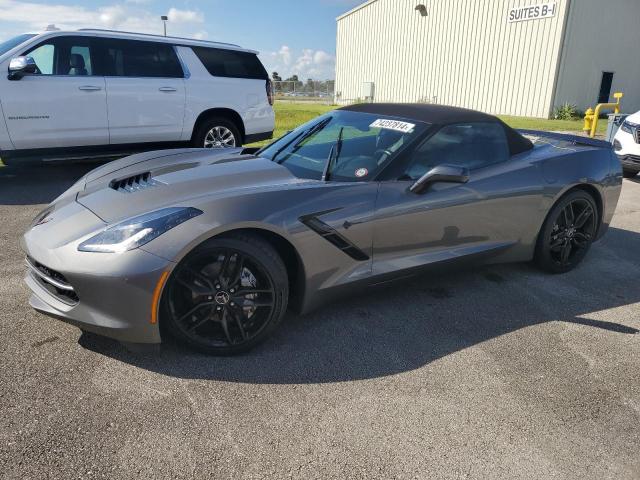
(310, 91)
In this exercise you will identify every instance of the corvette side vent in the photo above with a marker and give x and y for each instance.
(333, 237)
(134, 183)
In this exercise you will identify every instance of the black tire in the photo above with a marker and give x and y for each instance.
(561, 234)
(629, 173)
(209, 125)
(195, 315)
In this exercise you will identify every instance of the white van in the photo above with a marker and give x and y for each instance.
(99, 93)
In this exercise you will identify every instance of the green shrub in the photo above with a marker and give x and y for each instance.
(567, 112)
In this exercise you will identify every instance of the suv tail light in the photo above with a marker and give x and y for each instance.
(270, 91)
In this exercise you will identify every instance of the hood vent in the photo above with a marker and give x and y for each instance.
(134, 183)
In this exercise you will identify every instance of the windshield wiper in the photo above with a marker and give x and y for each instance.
(334, 153)
(301, 137)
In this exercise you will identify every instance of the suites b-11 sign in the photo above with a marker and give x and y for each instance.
(532, 12)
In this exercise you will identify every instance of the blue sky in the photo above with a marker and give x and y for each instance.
(294, 37)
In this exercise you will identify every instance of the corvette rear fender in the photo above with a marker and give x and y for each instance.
(592, 171)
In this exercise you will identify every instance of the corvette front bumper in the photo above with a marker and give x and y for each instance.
(108, 294)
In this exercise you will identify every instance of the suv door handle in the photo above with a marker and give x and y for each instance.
(89, 88)
(168, 89)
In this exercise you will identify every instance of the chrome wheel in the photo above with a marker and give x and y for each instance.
(572, 232)
(221, 298)
(219, 137)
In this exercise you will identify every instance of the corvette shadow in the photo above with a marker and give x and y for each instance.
(404, 326)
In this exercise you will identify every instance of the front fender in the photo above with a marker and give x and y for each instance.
(5, 140)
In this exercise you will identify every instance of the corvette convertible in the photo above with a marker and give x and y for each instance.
(212, 247)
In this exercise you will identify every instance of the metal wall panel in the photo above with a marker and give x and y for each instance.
(601, 37)
(464, 53)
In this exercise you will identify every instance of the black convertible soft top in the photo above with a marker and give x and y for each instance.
(440, 115)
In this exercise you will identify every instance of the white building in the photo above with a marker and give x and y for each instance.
(512, 57)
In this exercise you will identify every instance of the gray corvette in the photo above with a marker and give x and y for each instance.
(213, 246)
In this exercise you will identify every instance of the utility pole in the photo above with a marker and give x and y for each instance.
(164, 19)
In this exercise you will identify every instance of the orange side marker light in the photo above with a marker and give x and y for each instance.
(156, 297)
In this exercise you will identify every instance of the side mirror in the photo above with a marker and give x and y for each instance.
(441, 173)
(21, 66)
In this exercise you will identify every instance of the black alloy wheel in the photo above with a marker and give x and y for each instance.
(567, 233)
(227, 296)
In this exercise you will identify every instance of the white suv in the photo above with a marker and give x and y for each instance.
(96, 92)
(626, 144)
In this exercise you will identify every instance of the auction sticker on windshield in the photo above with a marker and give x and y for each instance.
(396, 125)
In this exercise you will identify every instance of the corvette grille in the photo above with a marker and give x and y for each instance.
(134, 183)
(52, 281)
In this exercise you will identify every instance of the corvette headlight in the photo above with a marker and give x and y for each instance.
(137, 231)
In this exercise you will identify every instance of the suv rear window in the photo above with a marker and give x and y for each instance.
(134, 58)
(231, 63)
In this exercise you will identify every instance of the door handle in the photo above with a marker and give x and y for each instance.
(168, 89)
(89, 88)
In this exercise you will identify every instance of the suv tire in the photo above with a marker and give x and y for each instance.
(217, 132)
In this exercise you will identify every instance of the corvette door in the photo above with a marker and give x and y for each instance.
(486, 216)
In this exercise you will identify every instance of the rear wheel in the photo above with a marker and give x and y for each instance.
(567, 233)
(217, 132)
(629, 173)
(227, 296)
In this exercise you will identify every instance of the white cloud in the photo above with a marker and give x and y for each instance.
(201, 35)
(113, 16)
(315, 64)
(185, 16)
(323, 58)
(132, 15)
(284, 54)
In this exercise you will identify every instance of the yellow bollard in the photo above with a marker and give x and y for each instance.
(588, 120)
(591, 117)
(618, 96)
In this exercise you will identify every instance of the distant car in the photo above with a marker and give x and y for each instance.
(627, 145)
(213, 246)
(93, 92)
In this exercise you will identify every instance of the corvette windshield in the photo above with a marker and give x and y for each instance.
(14, 42)
(343, 145)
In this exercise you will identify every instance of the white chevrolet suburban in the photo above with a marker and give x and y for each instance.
(626, 144)
(102, 93)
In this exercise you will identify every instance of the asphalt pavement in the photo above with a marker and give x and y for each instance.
(500, 372)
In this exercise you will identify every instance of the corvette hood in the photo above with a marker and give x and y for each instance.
(146, 182)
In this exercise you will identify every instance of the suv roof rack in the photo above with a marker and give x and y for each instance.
(104, 30)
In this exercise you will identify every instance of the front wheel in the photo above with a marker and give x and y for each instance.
(227, 296)
(567, 233)
(217, 133)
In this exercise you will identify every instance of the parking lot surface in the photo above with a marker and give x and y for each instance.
(500, 372)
